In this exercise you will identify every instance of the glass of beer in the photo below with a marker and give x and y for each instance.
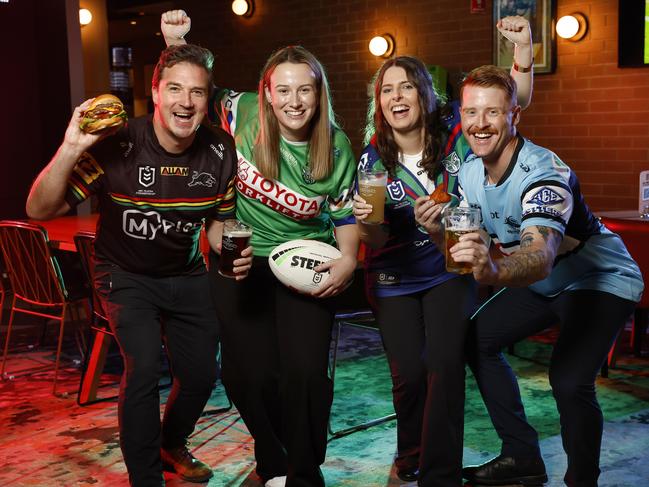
(458, 221)
(371, 187)
(236, 237)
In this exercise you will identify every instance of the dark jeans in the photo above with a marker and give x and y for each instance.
(143, 311)
(274, 357)
(424, 336)
(589, 323)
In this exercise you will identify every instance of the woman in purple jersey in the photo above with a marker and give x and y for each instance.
(422, 311)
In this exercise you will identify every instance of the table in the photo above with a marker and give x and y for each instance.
(623, 215)
(61, 231)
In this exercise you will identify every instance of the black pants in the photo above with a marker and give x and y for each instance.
(424, 336)
(142, 310)
(274, 363)
(589, 323)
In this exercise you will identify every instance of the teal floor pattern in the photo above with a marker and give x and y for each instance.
(48, 441)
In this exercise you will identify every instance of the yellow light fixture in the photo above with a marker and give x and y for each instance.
(572, 27)
(382, 46)
(243, 8)
(85, 16)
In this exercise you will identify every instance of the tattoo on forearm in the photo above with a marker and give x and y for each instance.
(520, 266)
(526, 239)
(529, 265)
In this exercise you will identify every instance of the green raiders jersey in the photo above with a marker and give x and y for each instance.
(294, 206)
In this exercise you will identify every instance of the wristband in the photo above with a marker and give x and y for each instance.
(521, 69)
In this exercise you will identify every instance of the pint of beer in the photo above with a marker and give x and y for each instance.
(457, 222)
(236, 237)
(371, 187)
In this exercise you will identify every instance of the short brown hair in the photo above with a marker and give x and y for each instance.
(183, 53)
(491, 76)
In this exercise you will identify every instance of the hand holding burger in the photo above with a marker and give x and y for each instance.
(104, 111)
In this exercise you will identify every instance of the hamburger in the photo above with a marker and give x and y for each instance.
(105, 111)
(440, 195)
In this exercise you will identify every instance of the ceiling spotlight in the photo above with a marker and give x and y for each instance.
(382, 46)
(243, 8)
(572, 27)
(85, 16)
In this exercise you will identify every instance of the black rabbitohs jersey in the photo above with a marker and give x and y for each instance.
(152, 204)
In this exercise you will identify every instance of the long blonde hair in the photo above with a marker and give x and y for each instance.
(321, 125)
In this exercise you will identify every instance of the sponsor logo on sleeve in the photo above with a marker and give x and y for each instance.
(87, 168)
(546, 196)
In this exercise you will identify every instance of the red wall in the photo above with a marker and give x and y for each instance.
(594, 115)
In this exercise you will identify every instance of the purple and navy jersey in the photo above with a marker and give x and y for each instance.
(538, 189)
(410, 261)
(153, 204)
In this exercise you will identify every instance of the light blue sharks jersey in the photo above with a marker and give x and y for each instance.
(538, 189)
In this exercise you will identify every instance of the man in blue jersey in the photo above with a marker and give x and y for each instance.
(556, 264)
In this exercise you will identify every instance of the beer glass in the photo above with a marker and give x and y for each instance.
(236, 237)
(371, 187)
(458, 221)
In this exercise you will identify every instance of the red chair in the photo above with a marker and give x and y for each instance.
(36, 281)
(635, 234)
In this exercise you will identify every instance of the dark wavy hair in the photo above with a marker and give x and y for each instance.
(183, 53)
(435, 132)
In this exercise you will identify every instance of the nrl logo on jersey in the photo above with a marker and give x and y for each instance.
(396, 191)
(174, 171)
(546, 196)
(146, 176)
(452, 163)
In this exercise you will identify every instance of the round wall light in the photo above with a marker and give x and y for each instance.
(85, 16)
(382, 46)
(572, 27)
(243, 8)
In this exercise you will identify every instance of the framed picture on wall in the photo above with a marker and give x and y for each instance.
(541, 15)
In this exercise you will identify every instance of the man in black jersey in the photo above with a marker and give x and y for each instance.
(158, 181)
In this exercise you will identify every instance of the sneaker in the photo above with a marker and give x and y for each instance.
(181, 461)
(276, 482)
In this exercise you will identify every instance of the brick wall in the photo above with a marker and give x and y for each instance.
(593, 114)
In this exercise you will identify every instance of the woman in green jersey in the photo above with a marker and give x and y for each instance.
(296, 171)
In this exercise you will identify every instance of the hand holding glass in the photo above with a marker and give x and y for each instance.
(371, 187)
(236, 237)
(457, 222)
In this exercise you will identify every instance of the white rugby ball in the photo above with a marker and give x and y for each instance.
(293, 262)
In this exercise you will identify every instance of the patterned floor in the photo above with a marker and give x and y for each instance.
(49, 441)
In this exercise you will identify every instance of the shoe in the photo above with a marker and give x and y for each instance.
(409, 474)
(276, 482)
(181, 461)
(504, 470)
